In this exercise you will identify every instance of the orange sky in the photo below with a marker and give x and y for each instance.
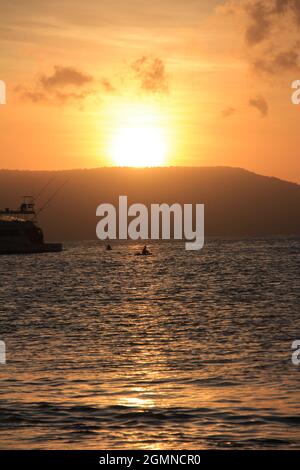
(212, 77)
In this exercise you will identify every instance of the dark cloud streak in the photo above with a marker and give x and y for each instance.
(59, 88)
(64, 76)
(229, 111)
(260, 104)
(68, 85)
(260, 25)
(284, 61)
(151, 74)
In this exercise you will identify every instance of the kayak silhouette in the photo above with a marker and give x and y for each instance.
(144, 252)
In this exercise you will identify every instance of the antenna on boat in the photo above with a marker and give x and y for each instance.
(52, 197)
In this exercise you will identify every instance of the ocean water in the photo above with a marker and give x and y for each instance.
(179, 350)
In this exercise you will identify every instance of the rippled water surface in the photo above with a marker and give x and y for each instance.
(177, 350)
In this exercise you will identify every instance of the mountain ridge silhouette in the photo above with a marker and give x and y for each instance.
(237, 201)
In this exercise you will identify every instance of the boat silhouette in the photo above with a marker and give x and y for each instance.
(20, 232)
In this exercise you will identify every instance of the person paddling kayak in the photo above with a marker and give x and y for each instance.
(145, 251)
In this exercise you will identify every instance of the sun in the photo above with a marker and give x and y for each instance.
(139, 138)
(139, 146)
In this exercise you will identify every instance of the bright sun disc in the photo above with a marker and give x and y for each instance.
(139, 146)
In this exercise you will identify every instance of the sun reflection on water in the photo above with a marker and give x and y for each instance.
(137, 402)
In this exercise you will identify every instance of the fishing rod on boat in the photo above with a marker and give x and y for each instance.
(52, 197)
(43, 188)
(28, 205)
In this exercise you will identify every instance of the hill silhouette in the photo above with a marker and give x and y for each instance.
(237, 202)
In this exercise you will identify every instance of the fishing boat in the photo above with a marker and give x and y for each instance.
(20, 232)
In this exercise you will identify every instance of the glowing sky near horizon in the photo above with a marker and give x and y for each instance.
(198, 72)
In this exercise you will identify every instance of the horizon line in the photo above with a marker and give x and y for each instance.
(135, 168)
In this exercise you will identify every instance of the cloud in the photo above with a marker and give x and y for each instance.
(57, 98)
(151, 74)
(229, 111)
(278, 62)
(69, 85)
(281, 6)
(66, 85)
(271, 32)
(284, 6)
(107, 85)
(30, 95)
(263, 16)
(260, 23)
(64, 76)
(260, 104)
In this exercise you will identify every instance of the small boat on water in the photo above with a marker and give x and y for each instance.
(20, 233)
(144, 252)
